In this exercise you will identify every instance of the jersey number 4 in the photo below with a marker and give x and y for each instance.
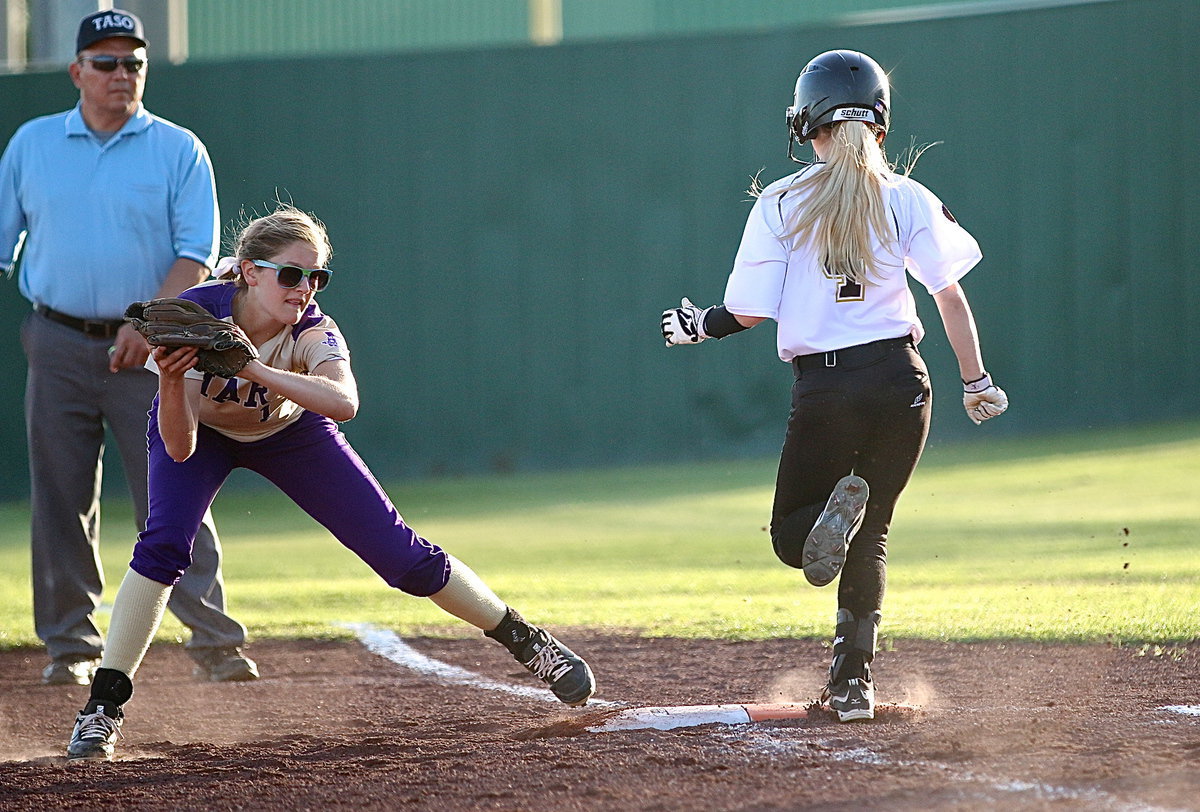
(847, 289)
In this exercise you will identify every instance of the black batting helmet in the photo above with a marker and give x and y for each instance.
(838, 86)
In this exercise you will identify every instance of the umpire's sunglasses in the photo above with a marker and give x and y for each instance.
(107, 64)
(289, 276)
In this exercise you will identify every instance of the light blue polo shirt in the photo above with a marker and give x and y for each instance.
(104, 221)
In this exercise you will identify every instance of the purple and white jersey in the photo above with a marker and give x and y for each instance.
(247, 411)
(817, 311)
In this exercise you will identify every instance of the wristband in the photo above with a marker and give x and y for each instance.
(717, 322)
(978, 385)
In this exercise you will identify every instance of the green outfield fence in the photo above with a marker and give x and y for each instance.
(234, 29)
(509, 223)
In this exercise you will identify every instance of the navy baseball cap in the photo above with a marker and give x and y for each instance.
(111, 23)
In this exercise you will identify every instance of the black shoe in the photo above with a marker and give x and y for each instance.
(852, 699)
(825, 548)
(96, 730)
(223, 665)
(69, 672)
(568, 676)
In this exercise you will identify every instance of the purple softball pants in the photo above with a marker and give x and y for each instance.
(310, 461)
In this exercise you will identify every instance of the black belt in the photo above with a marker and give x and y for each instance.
(859, 355)
(95, 328)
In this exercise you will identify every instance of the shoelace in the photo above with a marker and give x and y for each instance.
(549, 664)
(98, 726)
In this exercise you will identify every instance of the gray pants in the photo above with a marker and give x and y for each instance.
(69, 398)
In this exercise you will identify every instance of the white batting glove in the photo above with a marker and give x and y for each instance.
(683, 324)
(983, 400)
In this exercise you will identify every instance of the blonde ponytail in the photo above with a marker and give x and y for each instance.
(843, 213)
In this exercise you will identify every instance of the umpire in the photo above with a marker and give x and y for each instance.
(115, 205)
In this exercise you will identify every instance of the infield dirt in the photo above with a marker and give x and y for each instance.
(331, 725)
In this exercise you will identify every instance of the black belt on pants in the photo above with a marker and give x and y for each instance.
(859, 355)
(95, 328)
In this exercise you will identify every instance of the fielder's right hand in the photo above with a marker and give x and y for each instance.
(683, 324)
(983, 400)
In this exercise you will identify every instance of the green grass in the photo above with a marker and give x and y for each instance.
(1082, 537)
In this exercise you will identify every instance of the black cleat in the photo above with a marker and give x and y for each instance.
(852, 699)
(568, 676)
(96, 730)
(825, 548)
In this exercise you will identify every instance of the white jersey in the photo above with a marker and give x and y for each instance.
(817, 311)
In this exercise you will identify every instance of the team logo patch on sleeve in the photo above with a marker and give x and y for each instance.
(946, 212)
(330, 339)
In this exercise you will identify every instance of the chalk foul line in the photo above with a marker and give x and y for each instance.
(387, 644)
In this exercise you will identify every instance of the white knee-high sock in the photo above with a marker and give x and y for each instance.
(135, 617)
(466, 596)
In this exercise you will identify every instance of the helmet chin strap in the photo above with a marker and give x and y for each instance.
(792, 141)
(792, 157)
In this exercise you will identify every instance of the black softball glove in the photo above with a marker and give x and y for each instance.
(222, 348)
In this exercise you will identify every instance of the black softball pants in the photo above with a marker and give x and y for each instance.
(863, 410)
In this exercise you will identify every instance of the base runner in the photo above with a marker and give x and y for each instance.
(826, 254)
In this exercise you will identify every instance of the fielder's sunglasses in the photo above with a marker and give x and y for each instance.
(289, 276)
(107, 64)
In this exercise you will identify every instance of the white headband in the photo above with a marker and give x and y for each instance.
(225, 264)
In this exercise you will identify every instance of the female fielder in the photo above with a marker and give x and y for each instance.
(824, 254)
(277, 417)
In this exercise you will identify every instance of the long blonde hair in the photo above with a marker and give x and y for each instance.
(843, 213)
